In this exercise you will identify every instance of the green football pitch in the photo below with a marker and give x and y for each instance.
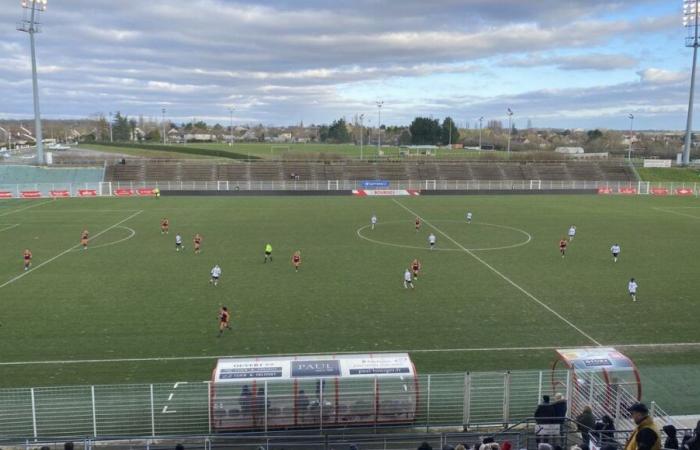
(494, 294)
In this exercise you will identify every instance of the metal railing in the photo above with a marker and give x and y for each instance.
(459, 399)
(454, 399)
(109, 188)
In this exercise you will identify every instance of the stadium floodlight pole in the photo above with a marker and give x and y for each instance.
(163, 123)
(362, 131)
(629, 149)
(690, 22)
(230, 140)
(481, 121)
(111, 136)
(510, 128)
(31, 26)
(379, 126)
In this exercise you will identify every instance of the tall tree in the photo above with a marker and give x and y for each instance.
(425, 131)
(120, 128)
(338, 132)
(449, 132)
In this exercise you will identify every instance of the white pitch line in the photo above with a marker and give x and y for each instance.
(425, 350)
(12, 280)
(10, 227)
(497, 272)
(26, 207)
(663, 210)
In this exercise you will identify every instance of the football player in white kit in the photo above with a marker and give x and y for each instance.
(178, 242)
(373, 220)
(407, 279)
(615, 250)
(469, 217)
(572, 232)
(632, 289)
(215, 274)
(431, 241)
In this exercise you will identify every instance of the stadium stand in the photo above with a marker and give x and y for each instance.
(16, 174)
(361, 170)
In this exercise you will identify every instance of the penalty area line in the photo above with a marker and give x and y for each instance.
(10, 227)
(426, 350)
(20, 276)
(16, 210)
(500, 274)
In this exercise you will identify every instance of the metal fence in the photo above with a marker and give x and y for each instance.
(469, 399)
(110, 188)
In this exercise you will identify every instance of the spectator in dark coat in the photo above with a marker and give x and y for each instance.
(545, 420)
(605, 431)
(585, 423)
(560, 408)
(425, 446)
(671, 437)
(694, 442)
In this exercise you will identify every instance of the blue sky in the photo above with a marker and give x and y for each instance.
(572, 63)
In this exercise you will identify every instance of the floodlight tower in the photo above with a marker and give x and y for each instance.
(379, 126)
(362, 131)
(31, 25)
(510, 128)
(111, 136)
(163, 123)
(690, 22)
(481, 121)
(230, 141)
(629, 149)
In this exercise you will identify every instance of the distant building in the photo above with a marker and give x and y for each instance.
(569, 150)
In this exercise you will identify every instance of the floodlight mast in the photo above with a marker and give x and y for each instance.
(362, 131)
(379, 126)
(510, 128)
(31, 26)
(690, 22)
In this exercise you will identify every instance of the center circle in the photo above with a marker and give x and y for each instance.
(408, 225)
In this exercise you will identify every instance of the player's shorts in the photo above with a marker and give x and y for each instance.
(268, 253)
(615, 254)
(633, 293)
(214, 277)
(432, 244)
(178, 244)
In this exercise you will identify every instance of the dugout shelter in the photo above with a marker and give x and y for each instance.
(600, 377)
(321, 391)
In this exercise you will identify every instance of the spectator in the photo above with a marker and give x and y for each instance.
(575, 447)
(544, 446)
(585, 423)
(506, 445)
(645, 435)
(605, 431)
(179, 447)
(460, 447)
(671, 437)
(585, 447)
(545, 420)
(245, 400)
(302, 405)
(694, 442)
(425, 446)
(447, 447)
(560, 408)
(70, 446)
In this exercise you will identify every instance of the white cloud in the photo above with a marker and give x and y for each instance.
(662, 76)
